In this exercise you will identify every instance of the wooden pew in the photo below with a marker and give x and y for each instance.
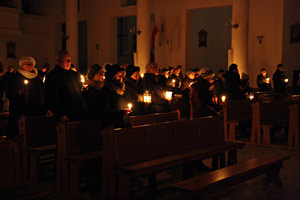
(148, 149)
(154, 118)
(266, 116)
(39, 136)
(293, 138)
(234, 112)
(10, 162)
(214, 181)
(78, 145)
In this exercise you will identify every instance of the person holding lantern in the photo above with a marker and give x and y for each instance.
(25, 92)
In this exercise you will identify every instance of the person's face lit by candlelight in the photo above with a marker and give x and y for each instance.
(27, 66)
(100, 76)
(64, 60)
(119, 76)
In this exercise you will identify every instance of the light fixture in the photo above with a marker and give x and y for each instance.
(260, 38)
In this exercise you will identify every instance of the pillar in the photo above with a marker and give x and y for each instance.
(239, 41)
(72, 29)
(144, 38)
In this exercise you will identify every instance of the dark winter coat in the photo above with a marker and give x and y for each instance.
(93, 97)
(262, 84)
(202, 99)
(63, 94)
(112, 108)
(31, 103)
(233, 83)
(278, 81)
(132, 90)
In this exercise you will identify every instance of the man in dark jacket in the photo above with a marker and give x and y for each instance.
(112, 104)
(150, 82)
(63, 91)
(233, 82)
(279, 80)
(263, 81)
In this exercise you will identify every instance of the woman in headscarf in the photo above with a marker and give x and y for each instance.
(25, 91)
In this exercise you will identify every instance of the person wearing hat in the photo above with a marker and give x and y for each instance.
(96, 77)
(25, 91)
(112, 103)
(133, 89)
(163, 79)
(176, 79)
(63, 91)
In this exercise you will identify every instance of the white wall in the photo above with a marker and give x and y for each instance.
(290, 51)
(212, 20)
(266, 19)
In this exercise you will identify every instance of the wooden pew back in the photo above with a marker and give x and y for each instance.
(38, 131)
(154, 118)
(236, 110)
(274, 112)
(137, 144)
(79, 137)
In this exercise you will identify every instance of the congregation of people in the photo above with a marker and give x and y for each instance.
(112, 92)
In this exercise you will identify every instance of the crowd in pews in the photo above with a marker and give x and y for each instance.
(112, 92)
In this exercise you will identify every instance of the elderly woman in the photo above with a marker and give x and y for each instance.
(25, 91)
(96, 76)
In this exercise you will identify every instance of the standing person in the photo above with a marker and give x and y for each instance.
(296, 82)
(263, 81)
(10, 72)
(96, 77)
(176, 80)
(186, 88)
(111, 103)
(219, 85)
(163, 79)
(63, 91)
(233, 82)
(2, 86)
(203, 99)
(151, 82)
(25, 92)
(279, 80)
(133, 89)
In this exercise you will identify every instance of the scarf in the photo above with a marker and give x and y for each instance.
(30, 75)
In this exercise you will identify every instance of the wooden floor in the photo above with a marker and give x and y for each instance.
(252, 189)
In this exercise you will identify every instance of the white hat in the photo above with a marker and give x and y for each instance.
(26, 58)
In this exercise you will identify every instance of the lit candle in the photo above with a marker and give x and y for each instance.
(26, 82)
(26, 85)
(268, 80)
(147, 96)
(223, 98)
(251, 96)
(169, 95)
(173, 81)
(82, 78)
(129, 106)
(44, 79)
(142, 75)
(286, 80)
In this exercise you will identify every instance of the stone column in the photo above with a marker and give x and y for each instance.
(239, 41)
(144, 38)
(72, 29)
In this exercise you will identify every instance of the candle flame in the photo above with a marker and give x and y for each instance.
(129, 106)
(286, 80)
(26, 82)
(223, 98)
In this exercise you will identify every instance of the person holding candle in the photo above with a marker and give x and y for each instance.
(279, 80)
(25, 91)
(63, 91)
(233, 83)
(176, 80)
(112, 103)
(263, 81)
(151, 82)
(133, 89)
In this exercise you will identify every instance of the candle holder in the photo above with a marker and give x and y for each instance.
(147, 97)
(169, 95)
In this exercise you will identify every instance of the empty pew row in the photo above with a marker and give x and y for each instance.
(148, 149)
(211, 182)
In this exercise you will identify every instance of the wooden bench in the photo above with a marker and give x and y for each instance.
(10, 162)
(154, 118)
(214, 181)
(149, 149)
(293, 138)
(39, 136)
(266, 116)
(78, 145)
(234, 112)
